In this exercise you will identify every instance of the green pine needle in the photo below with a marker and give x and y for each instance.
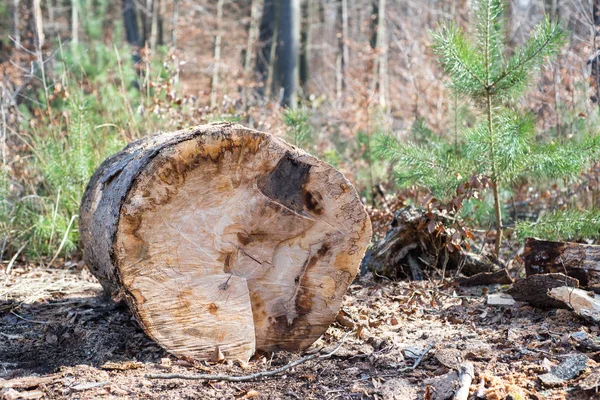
(571, 225)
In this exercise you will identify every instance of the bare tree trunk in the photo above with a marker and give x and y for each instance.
(288, 62)
(131, 32)
(41, 39)
(161, 24)
(147, 22)
(16, 20)
(595, 60)
(217, 56)
(267, 45)
(50, 8)
(306, 39)
(154, 24)
(174, 23)
(272, 60)
(345, 38)
(339, 77)
(252, 36)
(39, 24)
(382, 59)
(74, 22)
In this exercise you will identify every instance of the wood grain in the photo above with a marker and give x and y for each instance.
(222, 238)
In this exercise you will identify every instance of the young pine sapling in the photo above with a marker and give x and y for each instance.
(501, 146)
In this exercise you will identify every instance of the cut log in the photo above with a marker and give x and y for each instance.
(223, 240)
(534, 289)
(580, 261)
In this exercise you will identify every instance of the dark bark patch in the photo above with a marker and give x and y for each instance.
(284, 183)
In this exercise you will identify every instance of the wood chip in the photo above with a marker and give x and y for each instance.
(88, 385)
(29, 382)
(122, 366)
(586, 304)
(500, 299)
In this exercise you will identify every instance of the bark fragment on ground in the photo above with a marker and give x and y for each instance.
(500, 277)
(580, 261)
(534, 289)
(565, 371)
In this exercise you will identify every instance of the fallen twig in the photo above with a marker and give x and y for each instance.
(418, 360)
(245, 378)
(466, 372)
(87, 386)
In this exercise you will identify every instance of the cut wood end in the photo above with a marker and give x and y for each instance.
(231, 240)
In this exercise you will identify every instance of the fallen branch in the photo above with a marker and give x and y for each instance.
(466, 372)
(245, 378)
(500, 277)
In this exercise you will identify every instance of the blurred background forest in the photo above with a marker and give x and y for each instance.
(82, 78)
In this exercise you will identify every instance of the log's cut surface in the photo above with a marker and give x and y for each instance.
(224, 240)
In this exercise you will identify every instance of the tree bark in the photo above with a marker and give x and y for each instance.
(252, 36)
(147, 22)
(154, 24)
(595, 59)
(580, 261)
(74, 22)
(223, 240)
(534, 289)
(214, 87)
(289, 28)
(344, 43)
(306, 40)
(131, 32)
(500, 277)
(16, 21)
(174, 23)
(267, 43)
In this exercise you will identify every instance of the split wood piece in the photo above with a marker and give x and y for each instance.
(29, 382)
(487, 278)
(408, 248)
(584, 303)
(580, 261)
(534, 289)
(224, 240)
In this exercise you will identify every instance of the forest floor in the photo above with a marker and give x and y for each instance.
(60, 338)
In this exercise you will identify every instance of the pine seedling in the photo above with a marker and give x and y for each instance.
(501, 145)
(299, 131)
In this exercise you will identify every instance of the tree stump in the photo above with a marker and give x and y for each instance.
(223, 240)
